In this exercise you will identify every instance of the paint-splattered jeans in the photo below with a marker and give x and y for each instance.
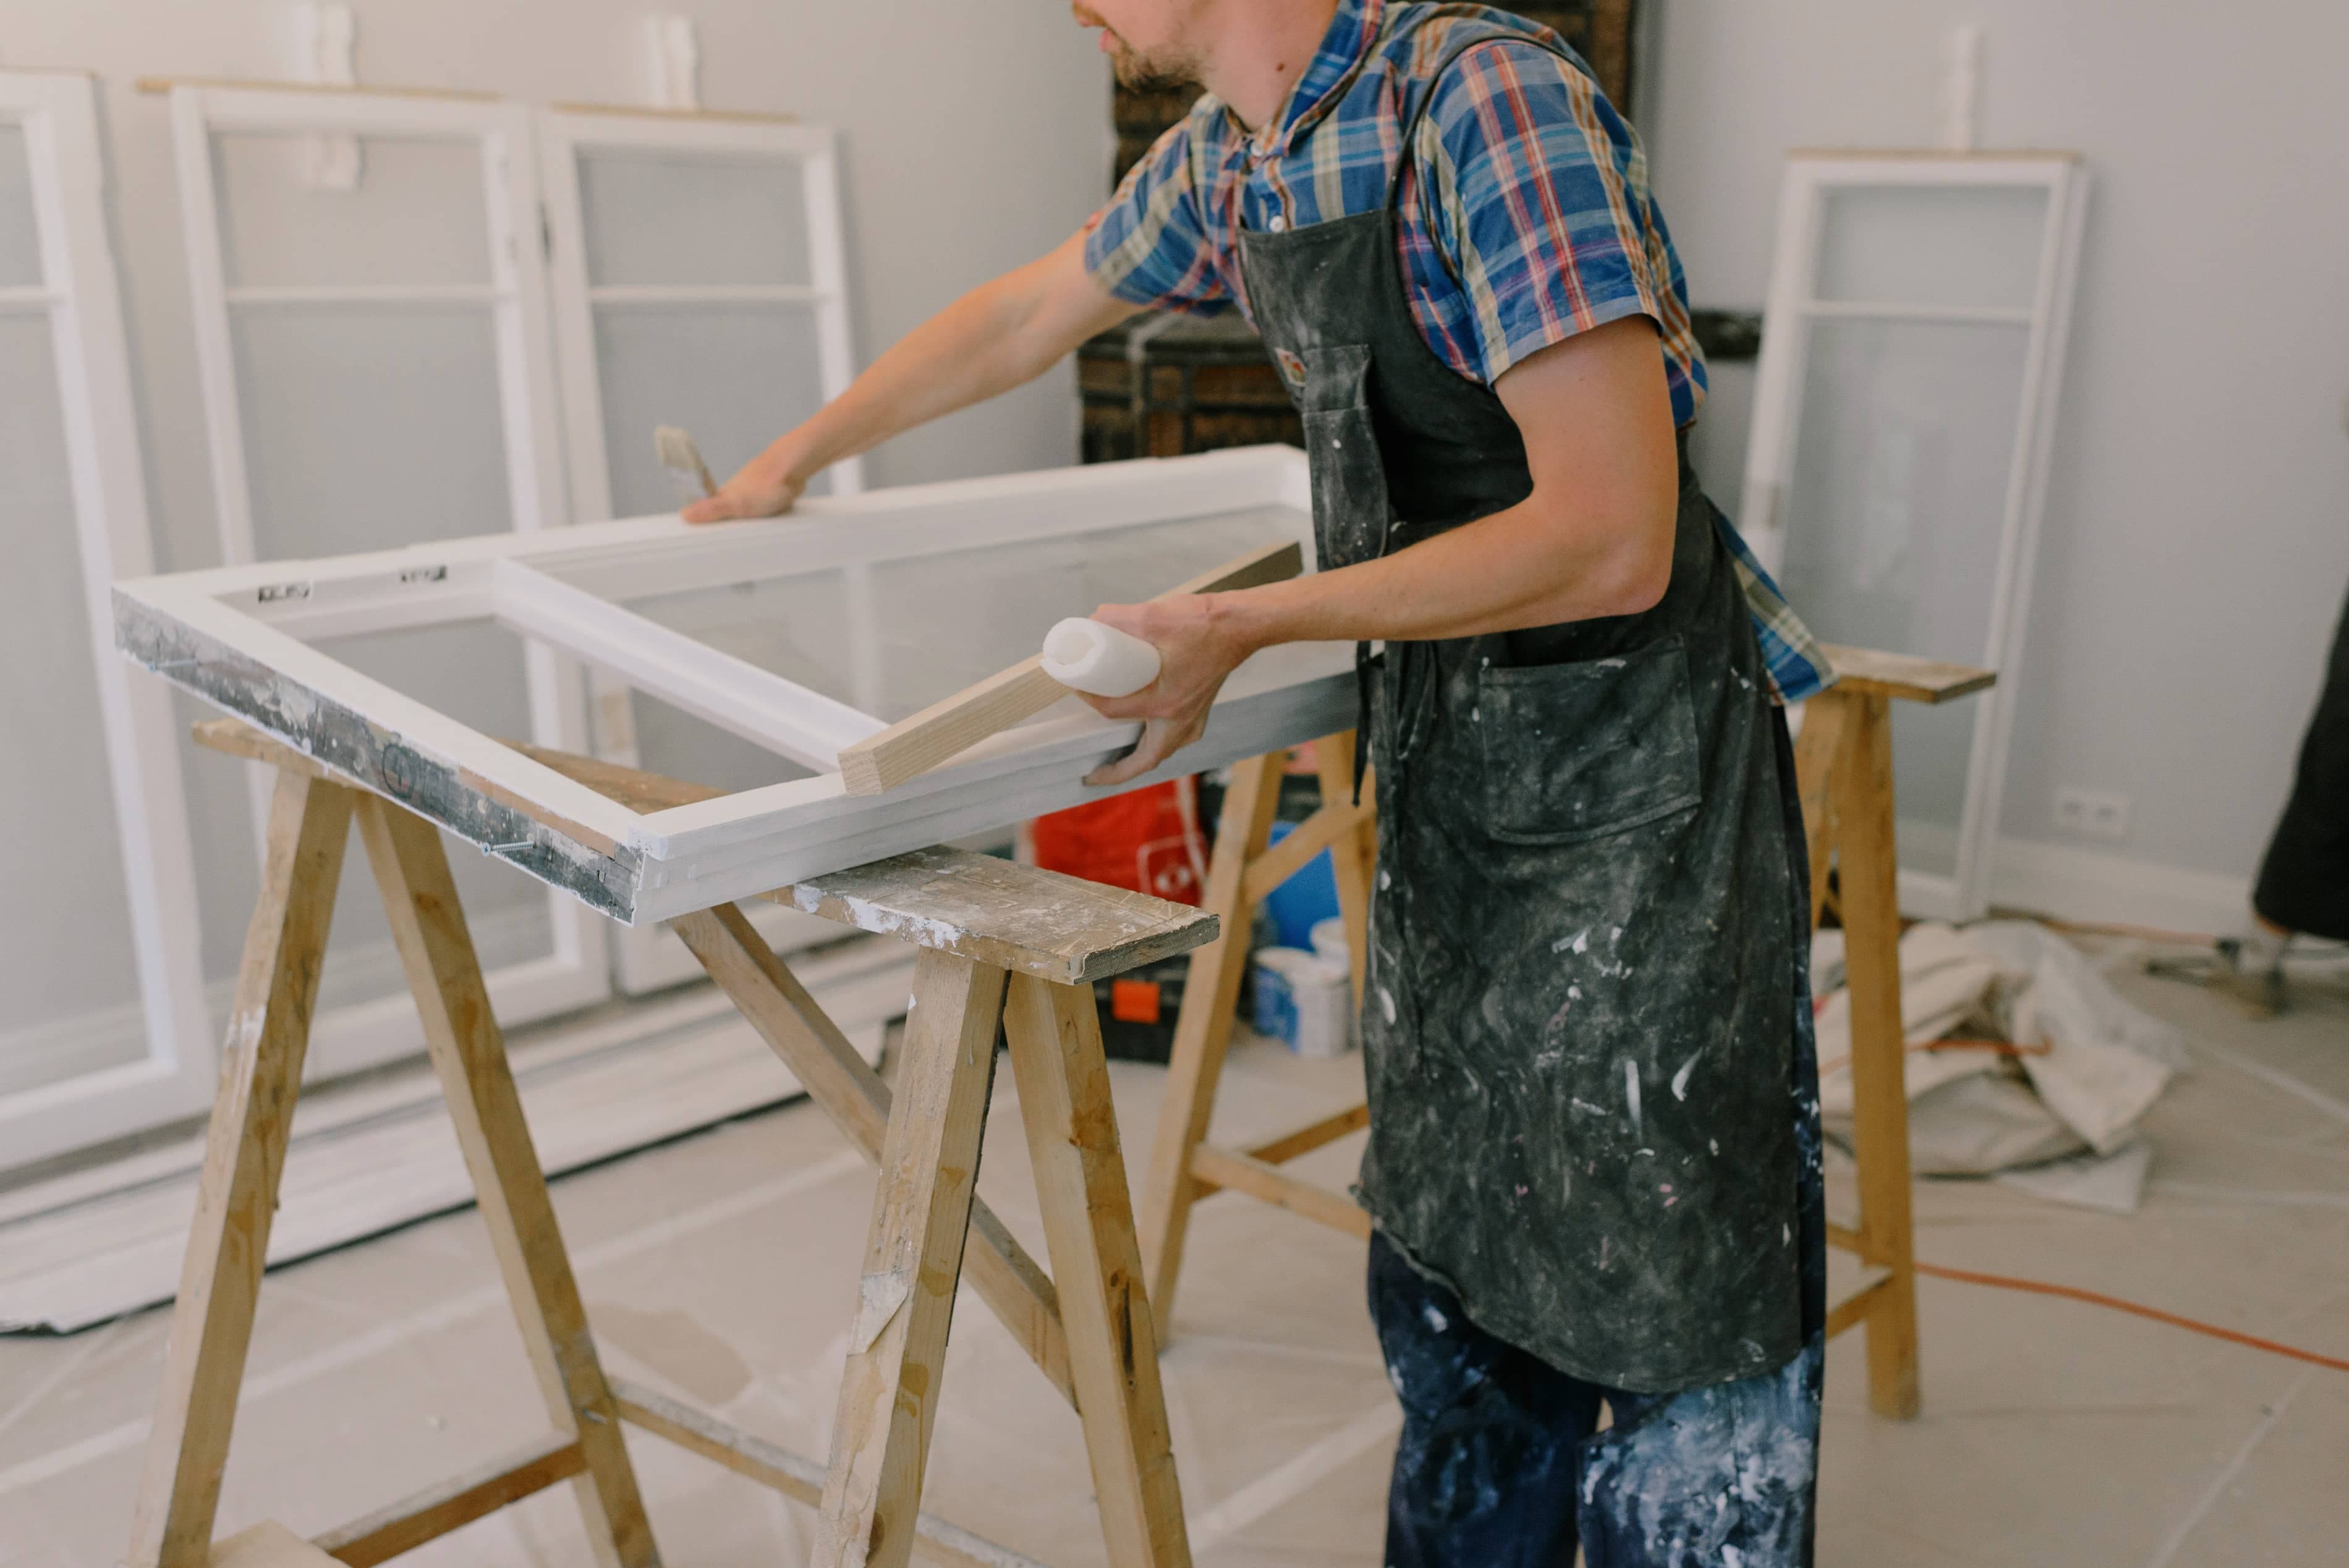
(1500, 1464)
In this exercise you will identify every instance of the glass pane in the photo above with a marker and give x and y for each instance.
(1946, 244)
(369, 427)
(418, 215)
(674, 744)
(472, 671)
(68, 975)
(796, 626)
(736, 377)
(20, 237)
(686, 217)
(1906, 439)
(952, 619)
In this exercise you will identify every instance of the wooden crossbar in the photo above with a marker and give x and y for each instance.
(782, 1471)
(1305, 1140)
(435, 1511)
(1333, 821)
(1214, 1167)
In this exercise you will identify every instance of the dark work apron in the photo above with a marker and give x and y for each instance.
(1579, 1024)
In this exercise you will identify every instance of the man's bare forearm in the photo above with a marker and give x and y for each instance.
(1519, 568)
(1000, 335)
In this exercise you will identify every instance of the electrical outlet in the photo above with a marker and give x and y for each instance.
(2093, 813)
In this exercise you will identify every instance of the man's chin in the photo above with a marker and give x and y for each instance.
(1138, 73)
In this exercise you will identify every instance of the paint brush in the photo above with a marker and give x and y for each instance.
(680, 457)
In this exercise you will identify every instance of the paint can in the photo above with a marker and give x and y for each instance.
(1305, 1001)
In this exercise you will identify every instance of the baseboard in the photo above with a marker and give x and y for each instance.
(96, 1243)
(2098, 887)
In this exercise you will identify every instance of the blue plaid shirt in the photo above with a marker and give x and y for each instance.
(1525, 216)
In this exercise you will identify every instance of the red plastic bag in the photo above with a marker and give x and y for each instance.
(1147, 839)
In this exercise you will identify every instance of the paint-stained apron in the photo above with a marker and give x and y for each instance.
(1585, 1105)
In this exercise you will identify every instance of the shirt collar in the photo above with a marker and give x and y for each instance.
(1345, 47)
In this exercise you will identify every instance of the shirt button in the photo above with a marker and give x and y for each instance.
(1275, 224)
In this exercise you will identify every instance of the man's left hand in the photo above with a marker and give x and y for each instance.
(1195, 653)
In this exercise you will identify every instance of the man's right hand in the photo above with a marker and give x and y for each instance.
(762, 487)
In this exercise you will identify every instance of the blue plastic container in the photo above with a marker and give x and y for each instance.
(1309, 897)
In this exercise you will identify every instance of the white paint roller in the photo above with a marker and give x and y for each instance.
(1101, 661)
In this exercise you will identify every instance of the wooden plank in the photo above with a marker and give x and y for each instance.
(1064, 1104)
(995, 912)
(1870, 902)
(1245, 1173)
(1854, 1309)
(1305, 1140)
(802, 1479)
(244, 1154)
(1319, 832)
(268, 1544)
(946, 728)
(448, 1505)
(1870, 672)
(1203, 1032)
(1355, 864)
(771, 998)
(913, 1257)
(468, 1054)
(1826, 724)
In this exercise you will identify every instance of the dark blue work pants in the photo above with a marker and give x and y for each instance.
(1501, 1464)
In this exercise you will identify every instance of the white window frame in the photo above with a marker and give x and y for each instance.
(234, 636)
(575, 973)
(81, 295)
(1811, 178)
(647, 958)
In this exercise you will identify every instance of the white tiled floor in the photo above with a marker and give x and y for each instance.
(719, 1269)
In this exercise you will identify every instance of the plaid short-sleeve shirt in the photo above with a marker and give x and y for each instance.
(1524, 212)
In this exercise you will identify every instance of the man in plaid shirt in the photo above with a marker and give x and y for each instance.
(1593, 1165)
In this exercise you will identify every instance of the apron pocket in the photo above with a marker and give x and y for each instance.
(1579, 750)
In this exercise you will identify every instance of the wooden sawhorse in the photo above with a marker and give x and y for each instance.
(1843, 761)
(999, 943)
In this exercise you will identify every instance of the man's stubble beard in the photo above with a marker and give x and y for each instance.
(1162, 72)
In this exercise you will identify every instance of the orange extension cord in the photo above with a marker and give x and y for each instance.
(2094, 1299)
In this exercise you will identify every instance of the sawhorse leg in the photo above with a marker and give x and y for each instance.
(1183, 1167)
(1091, 1331)
(1844, 767)
(229, 1242)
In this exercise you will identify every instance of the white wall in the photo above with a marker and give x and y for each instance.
(973, 138)
(2197, 539)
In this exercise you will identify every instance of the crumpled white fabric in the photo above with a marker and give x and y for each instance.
(1972, 1112)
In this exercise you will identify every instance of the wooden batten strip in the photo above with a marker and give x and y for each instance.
(1307, 839)
(946, 728)
(448, 1505)
(1244, 1173)
(1306, 1140)
(781, 1470)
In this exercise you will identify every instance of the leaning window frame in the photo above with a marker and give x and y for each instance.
(1811, 178)
(576, 971)
(80, 295)
(649, 958)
